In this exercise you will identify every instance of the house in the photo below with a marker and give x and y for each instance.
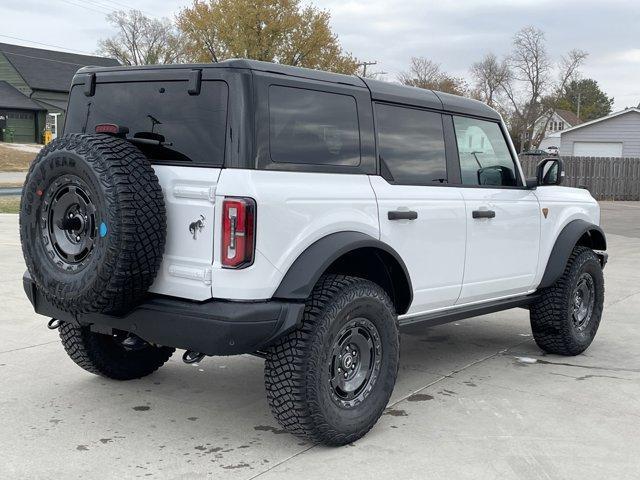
(560, 120)
(34, 89)
(616, 135)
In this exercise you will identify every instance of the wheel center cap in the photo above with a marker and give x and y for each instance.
(347, 361)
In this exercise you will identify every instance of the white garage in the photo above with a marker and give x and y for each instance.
(597, 149)
(616, 135)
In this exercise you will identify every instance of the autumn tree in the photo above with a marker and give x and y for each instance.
(141, 40)
(586, 99)
(282, 31)
(424, 73)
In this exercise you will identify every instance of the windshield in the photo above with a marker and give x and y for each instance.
(163, 120)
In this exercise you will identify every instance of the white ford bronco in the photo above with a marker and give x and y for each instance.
(301, 216)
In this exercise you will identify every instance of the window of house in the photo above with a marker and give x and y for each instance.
(313, 127)
(411, 145)
(485, 158)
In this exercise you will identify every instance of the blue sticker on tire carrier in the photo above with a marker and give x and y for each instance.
(103, 229)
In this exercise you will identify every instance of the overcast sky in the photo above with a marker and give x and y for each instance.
(454, 33)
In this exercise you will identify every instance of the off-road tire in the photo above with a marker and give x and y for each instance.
(296, 367)
(103, 355)
(127, 229)
(554, 329)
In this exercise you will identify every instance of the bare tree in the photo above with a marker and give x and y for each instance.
(529, 87)
(424, 73)
(141, 40)
(489, 75)
(567, 72)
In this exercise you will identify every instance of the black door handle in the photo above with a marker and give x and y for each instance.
(402, 215)
(483, 214)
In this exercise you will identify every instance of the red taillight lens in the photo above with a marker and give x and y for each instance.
(238, 232)
(111, 128)
(107, 128)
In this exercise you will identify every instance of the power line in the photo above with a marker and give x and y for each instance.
(45, 44)
(69, 2)
(126, 7)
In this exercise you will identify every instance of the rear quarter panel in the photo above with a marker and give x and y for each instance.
(294, 209)
(563, 204)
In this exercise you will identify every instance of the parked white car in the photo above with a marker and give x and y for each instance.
(298, 215)
(552, 150)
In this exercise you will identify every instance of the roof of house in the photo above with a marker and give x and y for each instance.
(12, 98)
(568, 116)
(383, 91)
(601, 119)
(49, 69)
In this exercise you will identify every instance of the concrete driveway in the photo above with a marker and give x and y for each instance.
(475, 399)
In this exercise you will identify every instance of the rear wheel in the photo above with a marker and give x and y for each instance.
(566, 318)
(330, 380)
(108, 355)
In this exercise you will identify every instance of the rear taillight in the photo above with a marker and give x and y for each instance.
(238, 232)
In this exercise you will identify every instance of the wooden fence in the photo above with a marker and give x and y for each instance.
(606, 178)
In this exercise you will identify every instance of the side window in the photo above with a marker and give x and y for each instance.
(313, 127)
(485, 158)
(411, 144)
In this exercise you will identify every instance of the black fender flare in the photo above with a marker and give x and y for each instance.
(568, 238)
(306, 270)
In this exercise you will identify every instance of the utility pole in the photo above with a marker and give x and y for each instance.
(364, 66)
(578, 112)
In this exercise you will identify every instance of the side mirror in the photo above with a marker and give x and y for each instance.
(550, 171)
(495, 175)
(532, 183)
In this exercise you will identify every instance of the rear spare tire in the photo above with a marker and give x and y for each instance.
(92, 223)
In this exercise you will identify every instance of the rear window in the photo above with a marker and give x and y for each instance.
(313, 127)
(170, 125)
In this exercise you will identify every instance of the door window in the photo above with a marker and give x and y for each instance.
(411, 145)
(485, 158)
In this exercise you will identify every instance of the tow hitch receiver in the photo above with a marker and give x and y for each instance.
(54, 324)
(192, 357)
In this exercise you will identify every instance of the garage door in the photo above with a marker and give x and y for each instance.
(24, 126)
(597, 149)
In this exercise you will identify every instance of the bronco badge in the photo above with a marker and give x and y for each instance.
(197, 226)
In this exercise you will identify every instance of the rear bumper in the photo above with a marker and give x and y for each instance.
(214, 327)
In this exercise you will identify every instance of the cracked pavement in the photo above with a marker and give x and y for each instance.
(475, 399)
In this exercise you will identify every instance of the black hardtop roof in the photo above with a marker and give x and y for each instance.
(380, 90)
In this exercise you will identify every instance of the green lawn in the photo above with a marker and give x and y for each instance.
(9, 204)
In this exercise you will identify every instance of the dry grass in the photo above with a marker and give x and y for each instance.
(10, 204)
(12, 160)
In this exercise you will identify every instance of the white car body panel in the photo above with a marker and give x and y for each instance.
(294, 210)
(502, 252)
(186, 269)
(563, 204)
(432, 246)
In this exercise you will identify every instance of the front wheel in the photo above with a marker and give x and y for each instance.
(330, 380)
(566, 318)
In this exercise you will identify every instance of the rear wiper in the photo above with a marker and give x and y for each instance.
(150, 138)
(150, 141)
